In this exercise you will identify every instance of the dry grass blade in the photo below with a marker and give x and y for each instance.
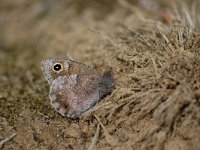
(95, 138)
(109, 138)
(6, 140)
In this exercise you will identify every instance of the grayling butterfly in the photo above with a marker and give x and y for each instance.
(74, 87)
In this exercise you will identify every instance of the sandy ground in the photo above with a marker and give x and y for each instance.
(152, 48)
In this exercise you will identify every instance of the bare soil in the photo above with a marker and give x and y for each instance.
(152, 48)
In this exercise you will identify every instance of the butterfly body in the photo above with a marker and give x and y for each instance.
(74, 87)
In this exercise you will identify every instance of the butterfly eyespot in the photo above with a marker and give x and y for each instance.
(57, 67)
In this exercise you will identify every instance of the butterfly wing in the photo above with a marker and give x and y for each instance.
(74, 94)
(68, 67)
(75, 87)
(105, 83)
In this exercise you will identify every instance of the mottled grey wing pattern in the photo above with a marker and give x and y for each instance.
(74, 94)
(75, 88)
(70, 67)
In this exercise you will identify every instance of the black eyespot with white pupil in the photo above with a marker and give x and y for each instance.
(57, 67)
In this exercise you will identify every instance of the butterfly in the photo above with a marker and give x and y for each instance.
(74, 87)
